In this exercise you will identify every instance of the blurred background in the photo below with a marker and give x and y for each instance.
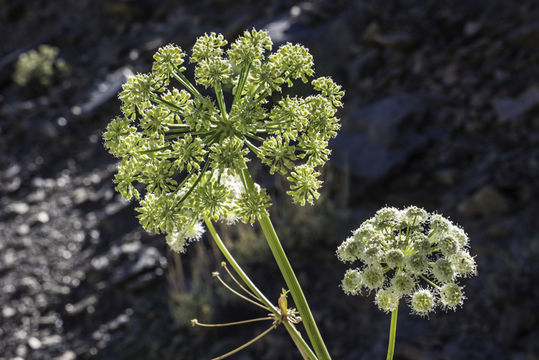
(441, 110)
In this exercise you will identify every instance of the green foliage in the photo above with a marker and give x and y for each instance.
(187, 150)
(39, 65)
(402, 249)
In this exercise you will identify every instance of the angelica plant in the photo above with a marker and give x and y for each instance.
(39, 65)
(184, 152)
(407, 254)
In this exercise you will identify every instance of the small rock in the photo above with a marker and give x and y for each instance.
(13, 185)
(23, 229)
(513, 109)
(11, 172)
(21, 352)
(131, 247)
(43, 217)
(36, 196)
(10, 257)
(525, 35)
(68, 355)
(486, 200)
(51, 340)
(100, 263)
(19, 208)
(80, 195)
(400, 40)
(8, 312)
(472, 28)
(77, 308)
(34, 343)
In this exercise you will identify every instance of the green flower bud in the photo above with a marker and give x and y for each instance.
(442, 270)
(439, 226)
(387, 300)
(373, 277)
(189, 153)
(352, 282)
(372, 255)
(228, 154)
(278, 154)
(329, 89)
(402, 283)
(421, 243)
(365, 232)
(117, 134)
(127, 173)
(250, 47)
(463, 263)
(451, 296)
(213, 199)
(154, 121)
(394, 258)
(294, 61)
(460, 235)
(414, 215)
(448, 245)
(137, 93)
(252, 204)
(304, 184)
(208, 47)
(314, 147)
(422, 302)
(213, 72)
(350, 250)
(201, 113)
(167, 61)
(417, 264)
(387, 217)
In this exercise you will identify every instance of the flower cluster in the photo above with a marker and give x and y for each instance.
(408, 254)
(189, 149)
(39, 65)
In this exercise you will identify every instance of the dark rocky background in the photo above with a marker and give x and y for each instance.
(441, 111)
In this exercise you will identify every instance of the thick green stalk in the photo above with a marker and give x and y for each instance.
(392, 334)
(290, 279)
(303, 347)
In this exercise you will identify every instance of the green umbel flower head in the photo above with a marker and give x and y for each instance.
(408, 254)
(183, 151)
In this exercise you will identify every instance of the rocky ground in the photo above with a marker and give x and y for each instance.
(441, 111)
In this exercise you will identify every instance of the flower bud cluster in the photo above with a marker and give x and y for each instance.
(408, 254)
(186, 150)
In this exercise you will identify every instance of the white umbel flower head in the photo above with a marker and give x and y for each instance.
(410, 254)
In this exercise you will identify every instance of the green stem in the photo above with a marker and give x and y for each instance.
(241, 83)
(392, 334)
(170, 105)
(430, 282)
(221, 101)
(187, 84)
(290, 278)
(294, 333)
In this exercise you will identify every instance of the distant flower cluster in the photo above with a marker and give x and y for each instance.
(408, 254)
(39, 65)
(189, 150)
